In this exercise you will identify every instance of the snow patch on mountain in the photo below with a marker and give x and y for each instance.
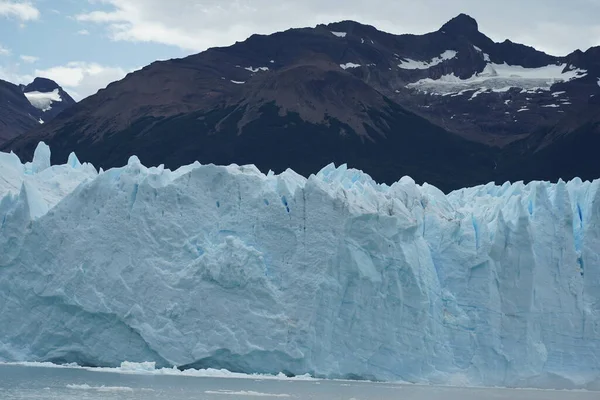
(486, 57)
(258, 69)
(407, 63)
(333, 274)
(496, 77)
(43, 101)
(339, 34)
(349, 65)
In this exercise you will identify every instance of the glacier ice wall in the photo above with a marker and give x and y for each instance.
(334, 275)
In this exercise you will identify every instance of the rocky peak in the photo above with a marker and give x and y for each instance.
(43, 85)
(462, 24)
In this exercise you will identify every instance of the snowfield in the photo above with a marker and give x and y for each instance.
(500, 77)
(43, 100)
(332, 275)
(412, 64)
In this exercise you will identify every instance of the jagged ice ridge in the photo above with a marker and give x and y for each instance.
(334, 275)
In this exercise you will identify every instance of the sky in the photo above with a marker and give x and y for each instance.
(86, 44)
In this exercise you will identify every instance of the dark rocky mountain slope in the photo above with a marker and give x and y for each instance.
(24, 107)
(451, 107)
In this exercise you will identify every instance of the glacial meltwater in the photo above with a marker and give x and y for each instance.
(32, 382)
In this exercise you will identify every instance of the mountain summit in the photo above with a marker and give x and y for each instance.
(48, 97)
(462, 24)
(451, 107)
(41, 85)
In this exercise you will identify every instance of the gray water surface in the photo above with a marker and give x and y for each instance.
(20, 382)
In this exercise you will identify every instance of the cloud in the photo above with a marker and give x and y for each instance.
(82, 79)
(195, 25)
(83, 32)
(4, 51)
(23, 11)
(29, 59)
(12, 74)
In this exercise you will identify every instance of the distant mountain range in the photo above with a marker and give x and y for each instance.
(24, 107)
(451, 107)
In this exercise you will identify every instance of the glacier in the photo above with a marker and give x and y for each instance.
(332, 275)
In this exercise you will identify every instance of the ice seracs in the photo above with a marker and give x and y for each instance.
(332, 275)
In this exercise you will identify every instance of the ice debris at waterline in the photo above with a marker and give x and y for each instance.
(337, 276)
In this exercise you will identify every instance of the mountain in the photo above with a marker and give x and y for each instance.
(23, 107)
(48, 97)
(451, 107)
(16, 112)
(332, 275)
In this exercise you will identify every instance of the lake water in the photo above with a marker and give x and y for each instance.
(26, 382)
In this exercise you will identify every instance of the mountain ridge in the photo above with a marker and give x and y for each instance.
(344, 78)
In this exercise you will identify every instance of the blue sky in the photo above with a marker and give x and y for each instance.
(56, 39)
(86, 44)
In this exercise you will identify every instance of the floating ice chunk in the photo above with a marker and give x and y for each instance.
(85, 386)
(245, 393)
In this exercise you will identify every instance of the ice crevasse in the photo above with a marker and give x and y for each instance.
(332, 275)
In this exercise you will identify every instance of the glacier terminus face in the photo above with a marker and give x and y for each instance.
(332, 275)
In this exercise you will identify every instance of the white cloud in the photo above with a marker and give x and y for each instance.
(195, 25)
(12, 74)
(83, 32)
(4, 51)
(23, 11)
(82, 79)
(29, 59)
